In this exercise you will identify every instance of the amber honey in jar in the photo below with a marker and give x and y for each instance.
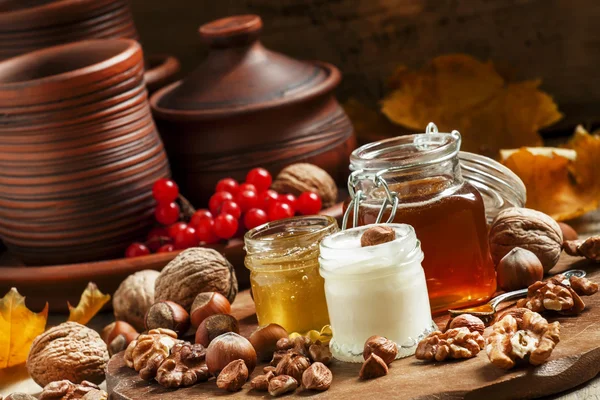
(283, 259)
(416, 180)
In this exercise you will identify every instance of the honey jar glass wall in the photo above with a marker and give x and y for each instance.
(417, 180)
(282, 257)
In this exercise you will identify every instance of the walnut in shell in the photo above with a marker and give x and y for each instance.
(455, 343)
(194, 271)
(528, 229)
(134, 297)
(184, 367)
(67, 390)
(67, 351)
(148, 351)
(303, 177)
(532, 339)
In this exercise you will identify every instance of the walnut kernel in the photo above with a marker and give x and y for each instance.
(184, 367)
(67, 390)
(148, 351)
(455, 343)
(532, 339)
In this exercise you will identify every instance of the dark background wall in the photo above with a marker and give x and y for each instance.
(556, 40)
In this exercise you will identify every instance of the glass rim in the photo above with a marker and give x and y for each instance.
(260, 235)
(406, 151)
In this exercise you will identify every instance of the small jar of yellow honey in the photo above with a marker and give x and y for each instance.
(283, 259)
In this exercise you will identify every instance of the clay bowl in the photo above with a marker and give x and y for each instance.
(52, 13)
(161, 70)
(77, 69)
(83, 193)
(116, 19)
(220, 120)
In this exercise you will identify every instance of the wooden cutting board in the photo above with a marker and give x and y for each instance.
(575, 360)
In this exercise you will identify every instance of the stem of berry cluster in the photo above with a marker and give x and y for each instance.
(187, 209)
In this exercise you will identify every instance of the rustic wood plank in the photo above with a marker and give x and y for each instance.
(575, 360)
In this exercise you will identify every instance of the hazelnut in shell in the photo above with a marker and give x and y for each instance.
(382, 347)
(229, 347)
(519, 269)
(168, 315)
(214, 326)
(264, 339)
(568, 232)
(112, 330)
(207, 304)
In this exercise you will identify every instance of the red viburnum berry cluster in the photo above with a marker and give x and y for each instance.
(232, 209)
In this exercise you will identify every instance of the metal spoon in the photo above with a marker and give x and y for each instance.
(487, 311)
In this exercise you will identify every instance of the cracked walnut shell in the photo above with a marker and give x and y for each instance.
(67, 390)
(194, 271)
(148, 351)
(184, 367)
(454, 343)
(533, 340)
(528, 229)
(303, 177)
(67, 351)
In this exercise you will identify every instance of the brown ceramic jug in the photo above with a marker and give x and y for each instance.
(246, 106)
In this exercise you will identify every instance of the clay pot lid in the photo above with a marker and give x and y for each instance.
(240, 75)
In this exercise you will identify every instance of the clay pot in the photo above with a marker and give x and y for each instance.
(246, 106)
(29, 25)
(79, 155)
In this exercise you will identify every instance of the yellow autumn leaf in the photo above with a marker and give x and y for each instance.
(562, 186)
(92, 300)
(459, 92)
(18, 328)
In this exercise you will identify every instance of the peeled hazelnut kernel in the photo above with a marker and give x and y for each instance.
(207, 304)
(233, 376)
(293, 364)
(282, 384)
(519, 269)
(568, 232)
(382, 347)
(111, 331)
(229, 347)
(168, 315)
(471, 322)
(261, 382)
(269, 368)
(377, 234)
(265, 339)
(214, 326)
(319, 352)
(317, 377)
(374, 367)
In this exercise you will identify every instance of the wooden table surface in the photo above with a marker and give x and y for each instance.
(16, 379)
